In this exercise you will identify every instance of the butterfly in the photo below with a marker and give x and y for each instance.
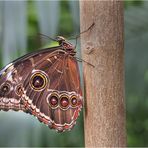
(45, 84)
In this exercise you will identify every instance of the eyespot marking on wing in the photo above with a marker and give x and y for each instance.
(5, 89)
(39, 80)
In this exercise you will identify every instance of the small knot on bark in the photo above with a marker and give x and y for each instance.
(89, 48)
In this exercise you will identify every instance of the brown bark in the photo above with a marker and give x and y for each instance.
(102, 46)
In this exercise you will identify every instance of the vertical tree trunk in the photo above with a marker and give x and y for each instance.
(102, 46)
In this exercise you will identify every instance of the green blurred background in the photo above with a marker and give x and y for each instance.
(20, 23)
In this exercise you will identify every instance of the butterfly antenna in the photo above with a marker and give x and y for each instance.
(45, 36)
(77, 36)
(81, 60)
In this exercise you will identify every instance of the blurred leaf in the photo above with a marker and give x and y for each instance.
(65, 23)
(128, 3)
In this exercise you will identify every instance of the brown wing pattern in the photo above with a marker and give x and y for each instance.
(62, 84)
(9, 81)
(48, 83)
(12, 79)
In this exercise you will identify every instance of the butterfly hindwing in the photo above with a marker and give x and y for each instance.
(60, 86)
(49, 85)
(10, 89)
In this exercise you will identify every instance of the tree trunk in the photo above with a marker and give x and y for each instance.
(102, 46)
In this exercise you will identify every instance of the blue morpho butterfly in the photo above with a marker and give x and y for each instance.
(46, 84)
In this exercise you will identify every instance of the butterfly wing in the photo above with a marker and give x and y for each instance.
(51, 87)
(11, 83)
(12, 79)
(10, 89)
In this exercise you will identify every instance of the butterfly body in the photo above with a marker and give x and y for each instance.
(45, 84)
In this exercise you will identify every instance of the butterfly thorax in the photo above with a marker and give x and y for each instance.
(66, 46)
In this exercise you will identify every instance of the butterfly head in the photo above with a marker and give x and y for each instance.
(60, 39)
(67, 46)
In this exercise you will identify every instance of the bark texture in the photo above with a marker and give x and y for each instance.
(102, 46)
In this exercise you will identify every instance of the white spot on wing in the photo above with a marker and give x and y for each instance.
(55, 57)
(49, 60)
(59, 71)
(32, 62)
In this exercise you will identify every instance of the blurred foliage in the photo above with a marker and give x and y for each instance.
(136, 76)
(34, 41)
(128, 3)
(65, 29)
